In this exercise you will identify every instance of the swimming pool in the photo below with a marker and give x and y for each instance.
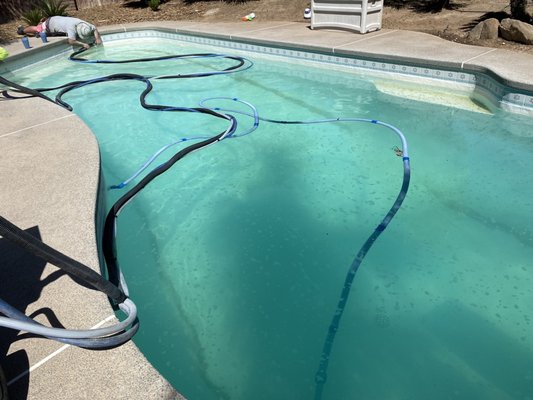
(236, 257)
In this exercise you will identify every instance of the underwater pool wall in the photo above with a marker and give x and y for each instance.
(482, 82)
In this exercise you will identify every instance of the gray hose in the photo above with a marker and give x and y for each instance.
(100, 343)
(32, 327)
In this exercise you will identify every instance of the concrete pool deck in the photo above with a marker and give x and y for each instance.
(49, 173)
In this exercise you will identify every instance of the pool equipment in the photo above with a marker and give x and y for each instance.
(254, 114)
(321, 374)
(356, 15)
(101, 338)
(116, 286)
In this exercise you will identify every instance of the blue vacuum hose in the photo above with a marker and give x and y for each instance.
(116, 335)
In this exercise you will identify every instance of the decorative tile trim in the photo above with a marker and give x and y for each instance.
(374, 65)
(497, 93)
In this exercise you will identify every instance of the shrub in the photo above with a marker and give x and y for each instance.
(154, 4)
(32, 17)
(51, 8)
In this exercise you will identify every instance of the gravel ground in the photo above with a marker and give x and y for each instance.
(452, 24)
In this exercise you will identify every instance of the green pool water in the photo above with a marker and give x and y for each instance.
(236, 256)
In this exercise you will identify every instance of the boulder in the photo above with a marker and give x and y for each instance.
(516, 31)
(487, 29)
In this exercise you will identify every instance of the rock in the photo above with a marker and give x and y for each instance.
(516, 31)
(487, 29)
(212, 11)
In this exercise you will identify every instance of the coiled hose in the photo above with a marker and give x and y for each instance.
(115, 288)
(108, 242)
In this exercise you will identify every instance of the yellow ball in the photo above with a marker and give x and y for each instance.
(3, 53)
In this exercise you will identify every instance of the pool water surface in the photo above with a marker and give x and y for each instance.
(237, 255)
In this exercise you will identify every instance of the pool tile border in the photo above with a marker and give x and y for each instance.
(498, 94)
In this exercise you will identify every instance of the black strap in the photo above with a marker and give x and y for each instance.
(37, 247)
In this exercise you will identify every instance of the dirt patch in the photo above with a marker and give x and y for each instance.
(450, 24)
